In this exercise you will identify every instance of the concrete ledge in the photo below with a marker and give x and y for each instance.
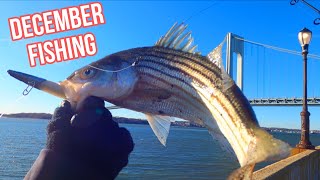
(304, 165)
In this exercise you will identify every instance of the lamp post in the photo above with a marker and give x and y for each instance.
(304, 37)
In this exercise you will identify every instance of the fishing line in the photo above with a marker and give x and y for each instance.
(13, 104)
(196, 13)
(25, 92)
(111, 71)
(134, 63)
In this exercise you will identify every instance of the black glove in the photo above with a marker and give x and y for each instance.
(88, 144)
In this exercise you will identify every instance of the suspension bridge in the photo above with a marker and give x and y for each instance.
(235, 65)
(236, 60)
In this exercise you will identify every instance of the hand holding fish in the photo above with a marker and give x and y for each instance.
(83, 145)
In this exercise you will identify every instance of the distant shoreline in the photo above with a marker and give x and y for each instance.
(47, 116)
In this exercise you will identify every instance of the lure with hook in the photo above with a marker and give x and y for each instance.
(38, 83)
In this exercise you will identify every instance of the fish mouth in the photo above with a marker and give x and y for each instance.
(39, 83)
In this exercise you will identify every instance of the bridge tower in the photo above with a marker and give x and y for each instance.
(235, 45)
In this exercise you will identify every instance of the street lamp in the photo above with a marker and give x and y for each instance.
(304, 37)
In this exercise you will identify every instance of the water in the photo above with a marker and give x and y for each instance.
(190, 153)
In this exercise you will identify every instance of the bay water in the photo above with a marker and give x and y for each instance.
(190, 152)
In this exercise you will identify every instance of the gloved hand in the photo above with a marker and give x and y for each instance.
(87, 144)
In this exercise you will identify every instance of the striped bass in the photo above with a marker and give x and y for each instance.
(171, 80)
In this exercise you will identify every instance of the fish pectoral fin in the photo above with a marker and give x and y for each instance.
(160, 126)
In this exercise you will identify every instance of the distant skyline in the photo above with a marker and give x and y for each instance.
(132, 24)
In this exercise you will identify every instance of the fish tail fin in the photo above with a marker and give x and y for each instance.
(262, 148)
(266, 148)
(243, 173)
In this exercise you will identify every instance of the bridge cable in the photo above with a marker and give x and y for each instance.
(258, 71)
(314, 56)
(263, 71)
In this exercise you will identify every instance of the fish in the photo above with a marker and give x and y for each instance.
(172, 80)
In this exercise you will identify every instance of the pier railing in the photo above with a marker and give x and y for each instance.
(304, 165)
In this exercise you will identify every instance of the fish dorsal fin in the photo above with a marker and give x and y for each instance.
(215, 56)
(160, 126)
(178, 38)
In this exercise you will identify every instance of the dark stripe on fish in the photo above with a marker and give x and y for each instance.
(204, 72)
(195, 58)
(194, 62)
(173, 77)
(240, 104)
(236, 98)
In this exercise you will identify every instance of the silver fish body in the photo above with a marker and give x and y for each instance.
(175, 83)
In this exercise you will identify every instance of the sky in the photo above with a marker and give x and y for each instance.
(130, 24)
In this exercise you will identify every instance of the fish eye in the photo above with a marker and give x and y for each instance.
(87, 73)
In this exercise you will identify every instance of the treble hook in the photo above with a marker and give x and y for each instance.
(28, 88)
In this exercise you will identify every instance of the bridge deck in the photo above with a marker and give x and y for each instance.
(284, 102)
(272, 102)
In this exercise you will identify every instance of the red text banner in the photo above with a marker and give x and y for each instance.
(55, 21)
